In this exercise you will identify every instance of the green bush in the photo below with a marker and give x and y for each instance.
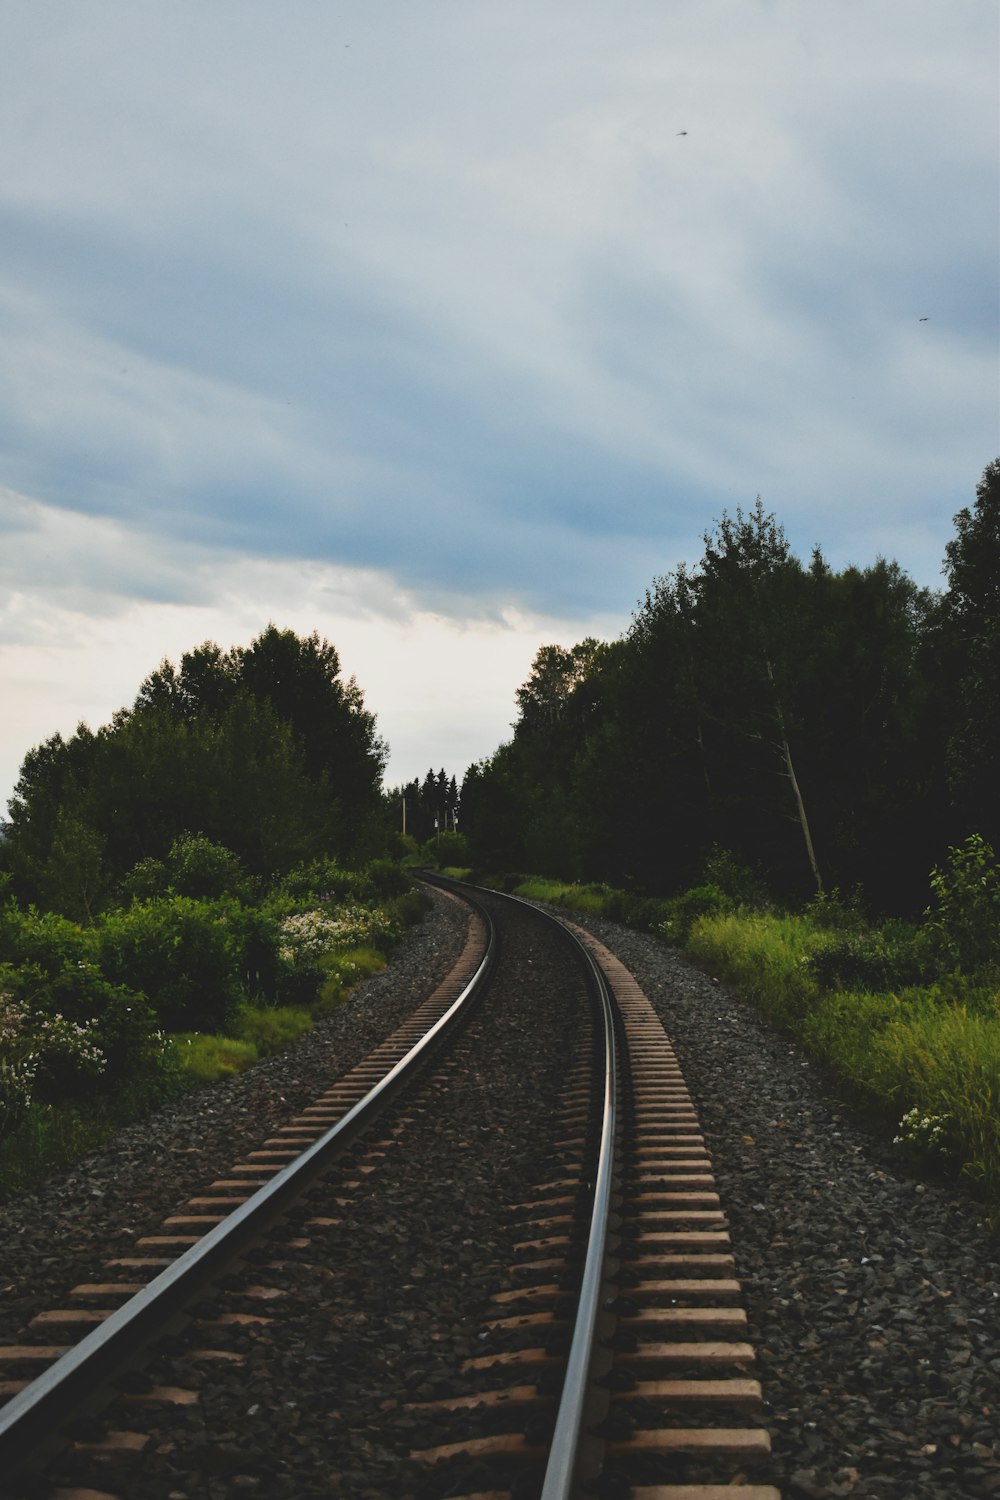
(184, 955)
(85, 1035)
(329, 995)
(47, 1139)
(888, 958)
(965, 922)
(933, 1048)
(299, 984)
(205, 870)
(743, 886)
(409, 908)
(324, 880)
(146, 879)
(387, 879)
(681, 912)
(44, 939)
(447, 848)
(352, 965)
(835, 912)
(592, 900)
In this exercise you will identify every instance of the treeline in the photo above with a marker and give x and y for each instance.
(825, 728)
(263, 750)
(422, 809)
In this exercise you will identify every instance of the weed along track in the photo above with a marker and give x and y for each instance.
(507, 1273)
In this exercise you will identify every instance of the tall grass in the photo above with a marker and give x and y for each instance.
(766, 954)
(47, 1139)
(590, 900)
(904, 1049)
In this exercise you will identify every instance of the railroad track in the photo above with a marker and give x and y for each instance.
(601, 1345)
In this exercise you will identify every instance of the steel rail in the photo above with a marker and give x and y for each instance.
(57, 1394)
(564, 1451)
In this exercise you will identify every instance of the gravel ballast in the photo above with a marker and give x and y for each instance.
(873, 1297)
(60, 1232)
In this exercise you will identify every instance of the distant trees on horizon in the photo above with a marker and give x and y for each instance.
(825, 728)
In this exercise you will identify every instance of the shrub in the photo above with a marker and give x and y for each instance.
(684, 910)
(409, 908)
(835, 912)
(184, 955)
(17, 1074)
(965, 925)
(146, 879)
(44, 939)
(888, 958)
(308, 935)
(926, 1136)
(86, 1038)
(743, 886)
(49, 1056)
(17, 1066)
(255, 935)
(387, 879)
(446, 848)
(646, 913)
(200, 868)
(299, 984)
(330, 993)
(324, 880)
(343, 971)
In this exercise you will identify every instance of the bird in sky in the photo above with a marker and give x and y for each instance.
(923, 320)
(682, 132)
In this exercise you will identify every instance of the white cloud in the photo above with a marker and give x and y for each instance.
(427, 322)
(443, 691)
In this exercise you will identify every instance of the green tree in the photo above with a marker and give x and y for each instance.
(262, 749)
(971, 655)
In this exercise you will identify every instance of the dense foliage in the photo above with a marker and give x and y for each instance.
(262, 750)
(186, 887)
(831, 729)
(904, 1012)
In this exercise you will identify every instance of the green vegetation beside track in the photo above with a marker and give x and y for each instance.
(102, 1022)
(907, 1014)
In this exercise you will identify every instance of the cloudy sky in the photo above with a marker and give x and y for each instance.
(442, 326)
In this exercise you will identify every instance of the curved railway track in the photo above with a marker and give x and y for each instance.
(599, 1350)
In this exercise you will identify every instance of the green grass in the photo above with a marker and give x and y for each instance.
(903, 1049)
(591, 900)
(872, 1003)
(766, 954)
(47, 1139)
(206, 1058)
(270, 1028)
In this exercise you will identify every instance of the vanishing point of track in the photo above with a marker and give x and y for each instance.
(615, 1361)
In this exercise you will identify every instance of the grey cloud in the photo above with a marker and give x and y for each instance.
(443, 293)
